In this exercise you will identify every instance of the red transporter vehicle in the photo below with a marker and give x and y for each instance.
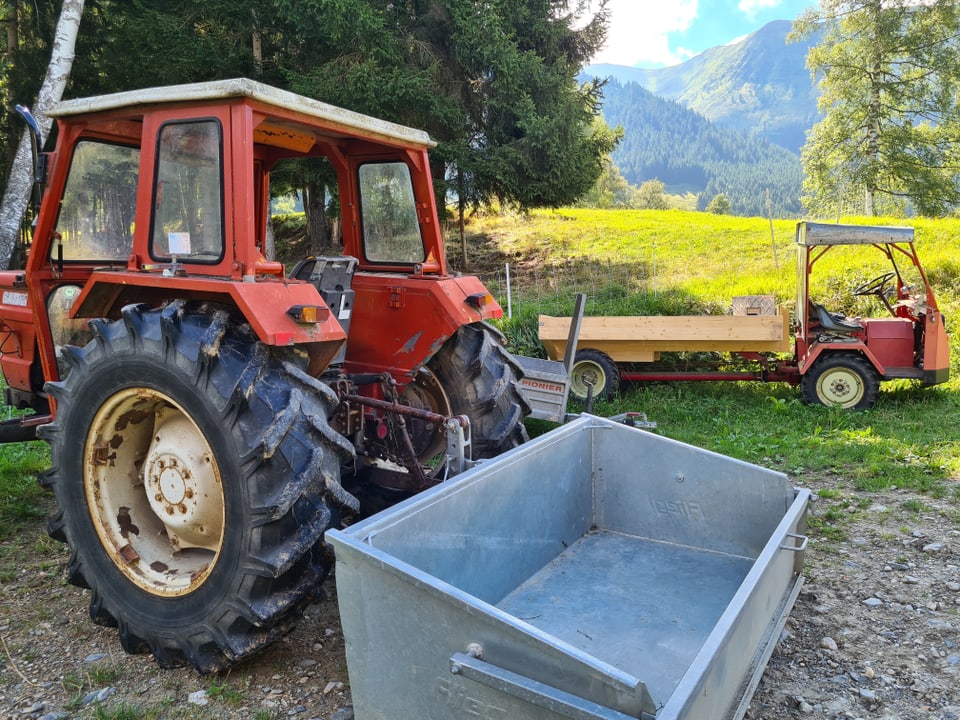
(203, 407)
(842, 360)
(835, 359)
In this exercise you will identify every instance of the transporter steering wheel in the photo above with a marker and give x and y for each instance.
(877, 286)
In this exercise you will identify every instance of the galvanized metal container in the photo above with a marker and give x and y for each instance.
(598, 571)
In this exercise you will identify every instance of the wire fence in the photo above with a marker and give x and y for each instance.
(552, 289)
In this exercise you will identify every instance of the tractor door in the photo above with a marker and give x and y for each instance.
(406, 304)
(394, 225)
(92, 229)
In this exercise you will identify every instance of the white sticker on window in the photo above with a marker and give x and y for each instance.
(15, 298)
(178, 243)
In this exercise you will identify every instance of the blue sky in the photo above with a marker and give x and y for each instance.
(657, 33)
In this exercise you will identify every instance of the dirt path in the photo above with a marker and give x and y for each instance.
(876, 630)
(875, 634)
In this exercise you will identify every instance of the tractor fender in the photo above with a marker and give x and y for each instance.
(819, 349)
(265, 304)
(400, 322)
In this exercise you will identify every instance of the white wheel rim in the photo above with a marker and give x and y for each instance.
(154, 492)
(587, 374)
(840, 386)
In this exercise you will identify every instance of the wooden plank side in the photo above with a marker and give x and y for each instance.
(619, 350)
(670, 328)
(641, 338)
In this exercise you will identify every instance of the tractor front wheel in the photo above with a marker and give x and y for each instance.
(480, 379)
(841, 379)
(195, 474)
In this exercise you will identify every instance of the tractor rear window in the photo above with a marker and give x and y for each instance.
(99, 203)
(391, 231)
(188, 196)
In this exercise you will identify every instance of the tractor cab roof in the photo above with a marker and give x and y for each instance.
(283, 110)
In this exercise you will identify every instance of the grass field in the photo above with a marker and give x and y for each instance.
(705, 258)
(911, 439)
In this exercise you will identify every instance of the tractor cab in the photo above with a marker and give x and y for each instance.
(842, 358)
(202, 405)
(164, 193)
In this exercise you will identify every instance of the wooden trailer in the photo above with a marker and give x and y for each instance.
(606, 343)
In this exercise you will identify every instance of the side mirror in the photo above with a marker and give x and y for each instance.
(36, 145)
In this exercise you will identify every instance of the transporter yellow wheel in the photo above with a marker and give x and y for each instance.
(596, 371)
(842, 379)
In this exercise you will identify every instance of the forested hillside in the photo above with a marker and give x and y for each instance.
(688, 153)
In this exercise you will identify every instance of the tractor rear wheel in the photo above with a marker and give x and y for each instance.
(480, 379)
(195, 474)
(841, 379)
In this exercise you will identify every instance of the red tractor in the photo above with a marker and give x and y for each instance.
(210, 415)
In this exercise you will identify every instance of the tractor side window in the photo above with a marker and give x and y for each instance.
(391, 231)
(99, 202)
(188, 196)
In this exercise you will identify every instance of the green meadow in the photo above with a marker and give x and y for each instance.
(675, 262)
(710, 258)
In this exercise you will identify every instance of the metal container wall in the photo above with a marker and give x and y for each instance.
(598, 571)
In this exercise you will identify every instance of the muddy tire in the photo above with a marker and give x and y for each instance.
(480, 380)
(593, 369)
(195, 474)
(841, 379)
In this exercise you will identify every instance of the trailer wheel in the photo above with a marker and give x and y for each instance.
(593, 369)
(841, 379)
(480, 379)
(195, 474)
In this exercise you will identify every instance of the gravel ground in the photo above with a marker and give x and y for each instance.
(875, 634)
(876, 630)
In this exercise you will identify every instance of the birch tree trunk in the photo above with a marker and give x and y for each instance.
(17, 194)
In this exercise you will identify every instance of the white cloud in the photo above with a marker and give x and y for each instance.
(751, 7)
(640, 32)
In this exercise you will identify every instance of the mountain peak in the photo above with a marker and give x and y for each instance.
(758, 84)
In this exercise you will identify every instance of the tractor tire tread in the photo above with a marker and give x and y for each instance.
(265, 411)
(480, 378)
